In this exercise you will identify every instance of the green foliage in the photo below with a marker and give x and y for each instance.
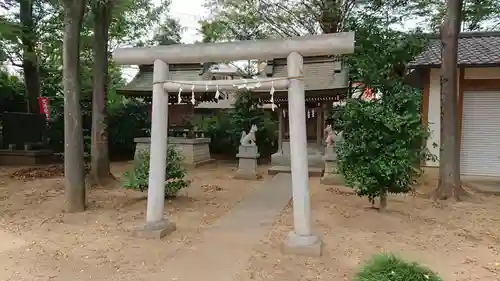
(225, 128)
(127, 120)
(216, 127)
(384, 267)
(335, 118)
(137, 178)
(55, 132)
(132, 22)
(245, 114)
(169, 33)
(233, 19)
(381, 53)
(382, 142)
(476, 15)
(11, 93)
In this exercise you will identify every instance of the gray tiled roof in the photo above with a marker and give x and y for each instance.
(319, 74)
(143, 81)
(473, 49)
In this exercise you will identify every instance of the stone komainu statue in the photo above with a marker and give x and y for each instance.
(248, 139)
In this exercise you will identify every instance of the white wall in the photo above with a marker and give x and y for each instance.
(434, 117)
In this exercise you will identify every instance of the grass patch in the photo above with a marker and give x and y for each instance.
(387, 267)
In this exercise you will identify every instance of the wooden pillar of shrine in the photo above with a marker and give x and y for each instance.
(280, 130)
(319, 125)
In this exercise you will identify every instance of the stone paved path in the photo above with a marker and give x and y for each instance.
(225, 248)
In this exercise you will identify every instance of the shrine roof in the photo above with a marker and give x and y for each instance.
(474, 49)
(320, 73)
(143, 80)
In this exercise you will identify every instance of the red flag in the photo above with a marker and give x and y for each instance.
(43, 103)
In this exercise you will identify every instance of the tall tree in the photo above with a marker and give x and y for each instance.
(74, 171)
(100, 169)
(104, 12)
(449, 156)
(168, 33)
(20, 29)
(287, 18)
(477, 15)
(30, 57)
(132, 22)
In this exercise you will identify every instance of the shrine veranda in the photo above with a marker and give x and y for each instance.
(294, 49)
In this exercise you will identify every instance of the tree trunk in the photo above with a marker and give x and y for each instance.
(100, 170)
(383, 200)
(73, 136)
(449, 156)
(30, 58)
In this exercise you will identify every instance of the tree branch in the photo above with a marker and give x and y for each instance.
(12, 62)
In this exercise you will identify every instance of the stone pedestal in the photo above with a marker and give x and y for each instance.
(195, 152)
(247, 165)
(281, 160)
(331, 175)
(11, 157)
(302, 245)
(155, 230)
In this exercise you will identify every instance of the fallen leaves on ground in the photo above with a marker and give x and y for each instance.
(43, 172)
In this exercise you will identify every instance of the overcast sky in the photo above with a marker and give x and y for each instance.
(188, 12)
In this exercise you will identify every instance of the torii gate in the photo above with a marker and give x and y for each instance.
(292, 48)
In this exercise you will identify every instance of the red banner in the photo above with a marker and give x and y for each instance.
(43, 103)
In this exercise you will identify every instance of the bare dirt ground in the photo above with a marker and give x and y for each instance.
(98, 244)
(460, 241)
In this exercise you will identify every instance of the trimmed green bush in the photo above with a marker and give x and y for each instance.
(381, 149)
(387, 267)
(137, 178)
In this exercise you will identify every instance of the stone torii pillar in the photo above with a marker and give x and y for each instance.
(301, 239)
(156, 225)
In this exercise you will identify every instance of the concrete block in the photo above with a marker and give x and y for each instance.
(156, 230)
(310, 246)
(247, 165)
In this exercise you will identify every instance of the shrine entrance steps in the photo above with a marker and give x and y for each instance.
(313, 171)
(225, 248)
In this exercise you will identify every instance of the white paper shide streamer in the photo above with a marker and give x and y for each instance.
(217, 92)
(245, 84)
(179, 97)
(193, 100)
(273, 106)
